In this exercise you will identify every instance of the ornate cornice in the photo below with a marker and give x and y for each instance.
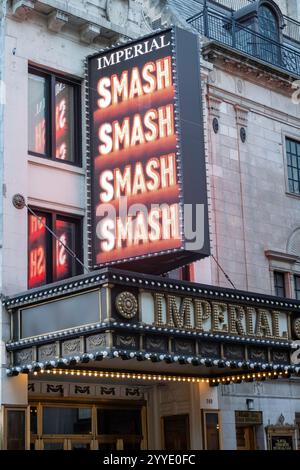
(98, 278)
(240, 64)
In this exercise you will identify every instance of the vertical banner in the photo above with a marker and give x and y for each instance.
(137, 165)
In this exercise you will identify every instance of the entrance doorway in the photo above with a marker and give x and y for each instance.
(176, 431)
(245, 437)
(67, 426)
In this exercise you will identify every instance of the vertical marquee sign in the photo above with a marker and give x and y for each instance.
(147, 154)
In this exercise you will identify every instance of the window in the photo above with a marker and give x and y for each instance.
(48, 259)
(279, 284)
(54, 117)
(268, 23)
(186, 273)
(67, 420)
(297, 287)
(268, 49)
(293, 165)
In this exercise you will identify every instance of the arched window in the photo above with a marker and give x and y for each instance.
(268, 23)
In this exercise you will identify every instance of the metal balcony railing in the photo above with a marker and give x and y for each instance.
(226, 30)
(292, 27)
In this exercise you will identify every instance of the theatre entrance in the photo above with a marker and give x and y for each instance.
(73, 426)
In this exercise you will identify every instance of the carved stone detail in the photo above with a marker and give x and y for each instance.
(107, 391)
(127, 305)
(184, 347)
(132, 392)
(95, 342)
(156, 343)
(56, 20)
(89, 32)
(126, 341)
(59, 388)
(234, 352)
(257, 354)
(209, 349)
(24, 356)
(241, 115)
(280, 356)
(71, 347)
(214, 106)
(21, 8)
(47, 352)
(82, 390)
(117, 11)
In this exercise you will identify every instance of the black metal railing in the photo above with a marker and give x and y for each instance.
(292, 26)
(226, 30)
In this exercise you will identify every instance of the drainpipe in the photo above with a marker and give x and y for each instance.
(2, 102)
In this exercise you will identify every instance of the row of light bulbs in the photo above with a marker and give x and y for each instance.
(160, 377)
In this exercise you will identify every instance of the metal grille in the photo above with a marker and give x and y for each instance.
(226, 30)
(292, 27)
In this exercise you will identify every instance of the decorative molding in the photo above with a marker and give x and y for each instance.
(281, 256)
(280, 356)
(56, 20)
(47, 352)
(256, 354)
(184, 347)
(24, 356)
(125, 278)
(233, 351)
(95, 342)
(234, 63)
(214, 104)
(54, 388)
(71, 347)
(209, 349)
(241, 115)
(127, 305)
(89, 32)
(156, 343)
(21, 8)
(130, 342)
(117, 11)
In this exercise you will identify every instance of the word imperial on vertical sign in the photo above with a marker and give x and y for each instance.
(147, 154)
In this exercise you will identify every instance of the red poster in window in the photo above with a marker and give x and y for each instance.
(65, 232)
(64, 121)
(36, 251)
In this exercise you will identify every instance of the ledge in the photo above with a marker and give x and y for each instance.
(280, 256)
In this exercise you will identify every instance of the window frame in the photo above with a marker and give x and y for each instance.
(50, 115)
(284, 274)
(291, 136)
(295, 277)
(51, 217)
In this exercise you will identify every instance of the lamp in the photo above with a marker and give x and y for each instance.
(250, 404)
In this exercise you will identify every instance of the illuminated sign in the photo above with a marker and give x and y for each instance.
(146, 154)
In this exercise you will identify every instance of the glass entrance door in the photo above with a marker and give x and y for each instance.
(87, 427)
(119, 429)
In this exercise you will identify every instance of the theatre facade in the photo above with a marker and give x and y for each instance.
(150, 235)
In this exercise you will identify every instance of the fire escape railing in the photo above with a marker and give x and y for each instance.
(292, 27)
(226, 30)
